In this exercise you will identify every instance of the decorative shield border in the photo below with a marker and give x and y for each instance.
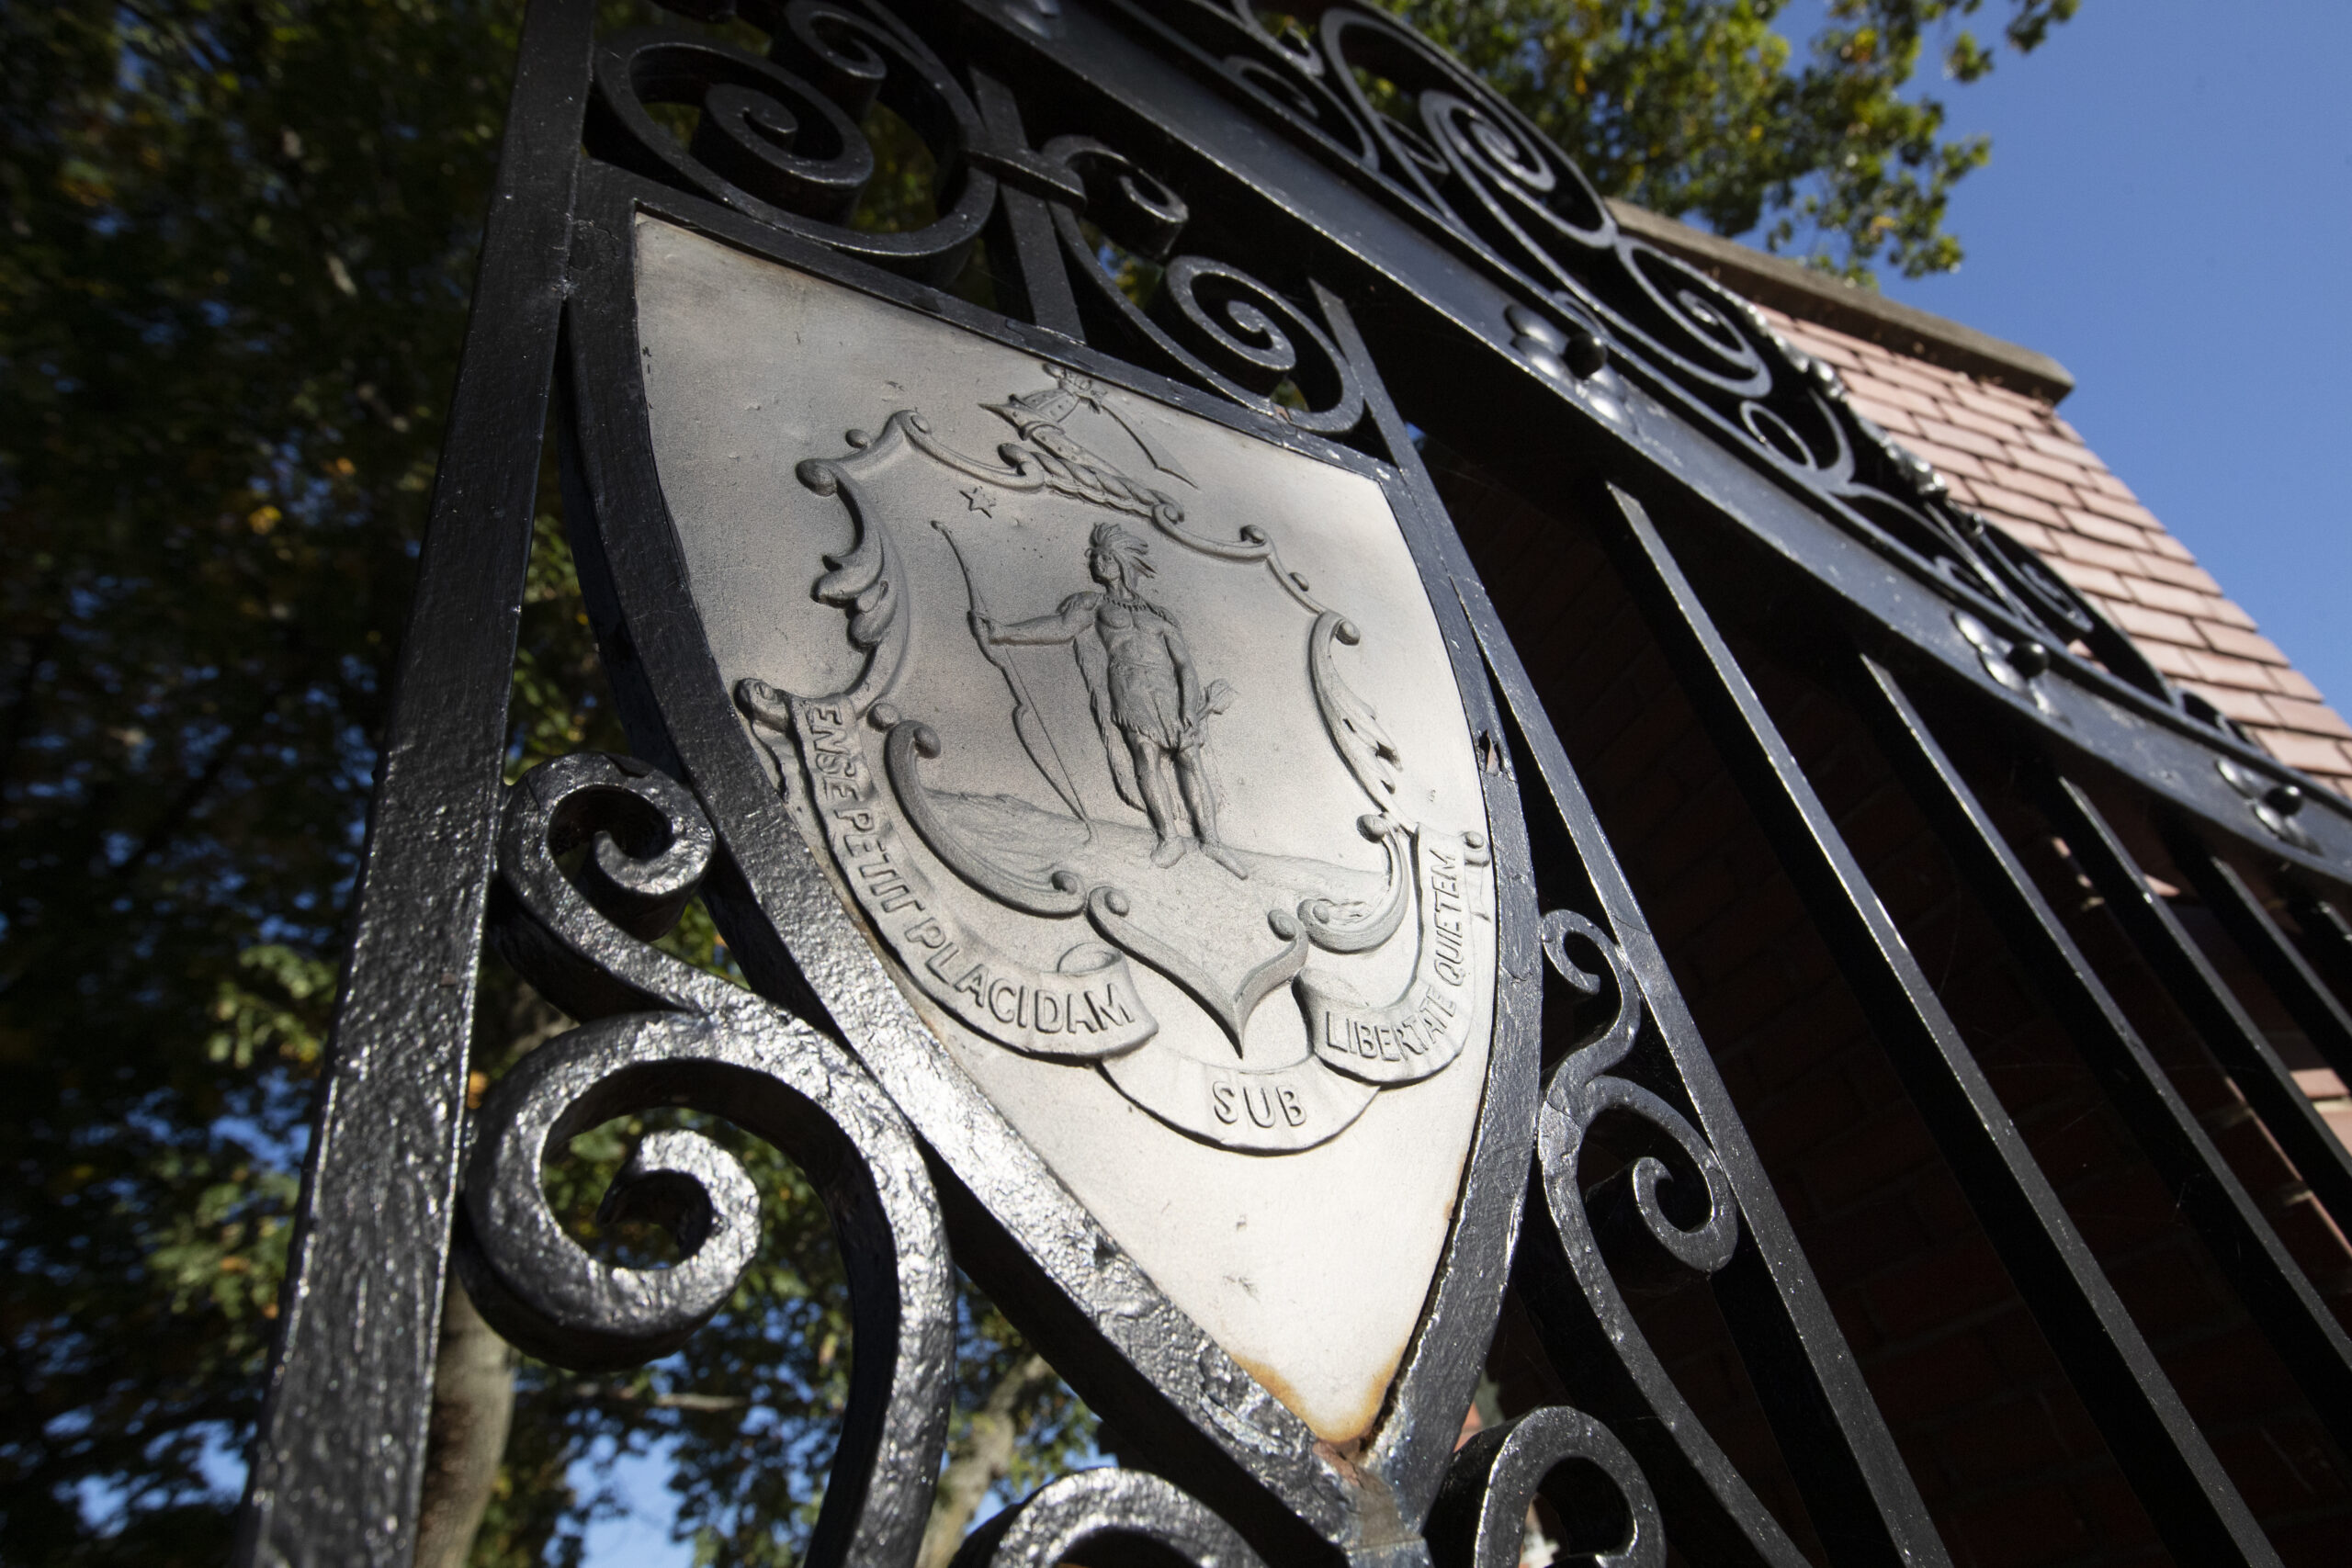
(1179, 1403)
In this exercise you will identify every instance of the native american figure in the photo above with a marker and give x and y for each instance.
(1147, 694)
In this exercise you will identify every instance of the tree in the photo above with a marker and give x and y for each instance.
(1702, 108)
(240, 239)
(235, 271)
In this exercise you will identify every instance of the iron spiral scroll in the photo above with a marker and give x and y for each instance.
(658, 1033)
(1393, 113)
(781, 139)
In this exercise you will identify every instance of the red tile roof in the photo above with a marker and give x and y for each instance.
(2011, 456)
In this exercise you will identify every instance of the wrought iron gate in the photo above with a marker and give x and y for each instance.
(1663, 559)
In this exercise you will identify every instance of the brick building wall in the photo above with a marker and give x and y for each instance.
(1984, 413)
(2008, 1461)
(2009, 455)
(2012, 456)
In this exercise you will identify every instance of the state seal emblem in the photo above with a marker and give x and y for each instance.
(1132, 743)
(1042, 787)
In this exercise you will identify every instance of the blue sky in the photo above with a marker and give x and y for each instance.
(2168, 212)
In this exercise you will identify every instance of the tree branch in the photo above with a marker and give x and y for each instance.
(982, 1459)
(473, 1404)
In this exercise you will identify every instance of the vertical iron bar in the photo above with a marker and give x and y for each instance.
(2241, 1243)
(2195, 1507)
(2236, 1042)
(338, 1458)
(2328, 936)
(2306, 998)
(1860, 1494)
(1024, 253)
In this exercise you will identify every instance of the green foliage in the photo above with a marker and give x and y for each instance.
(558, 702)
(1701, 109)
(239, 243)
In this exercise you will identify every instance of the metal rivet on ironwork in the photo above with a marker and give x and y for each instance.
(1531, 324)
(2274, 805)
(1556, 350)
(1990, 649)
(1540, 359)
(2012, 664)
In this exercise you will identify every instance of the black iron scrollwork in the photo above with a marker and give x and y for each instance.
(1649, 1246)
(1208, 322)
(783, 139)
(659, 1033)
(1102, 1515)
(1391, 110)
(1602, 1500)
(1664, 1219)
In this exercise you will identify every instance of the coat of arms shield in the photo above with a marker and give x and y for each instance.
(1132, 743)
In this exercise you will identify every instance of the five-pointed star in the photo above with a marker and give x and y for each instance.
(980, 499)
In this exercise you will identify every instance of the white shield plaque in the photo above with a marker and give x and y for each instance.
(1132, 743)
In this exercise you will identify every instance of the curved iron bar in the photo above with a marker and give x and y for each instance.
(584, 939)
(785, 145)
(1102, 1516)
(661, 1032)
(782, 140)
(1627, 1207)
(1636, 1231)
(1390, 109)
(1214, 326)
(1209, 324)
(1603, 1502)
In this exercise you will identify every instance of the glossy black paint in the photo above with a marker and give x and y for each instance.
(1154, 1375)
(2242, 1242)
(1480, 1520)
(659, 1032)
(1455, 273)
(1829, 1429)
(2319, 1012)
(2219, 1017)
(2180, 1481)
(1113, 1516)
(337, 1463)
